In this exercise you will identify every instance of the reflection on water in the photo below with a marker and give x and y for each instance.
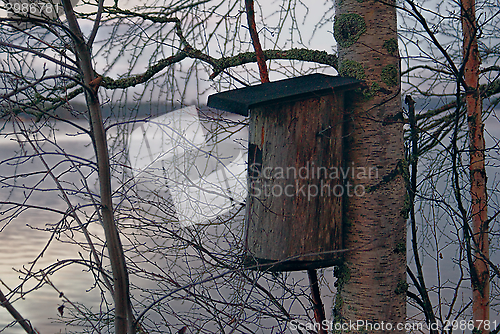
(156, 268)
(21, 244)
(22, 238)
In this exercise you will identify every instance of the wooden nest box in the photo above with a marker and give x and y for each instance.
(295, 185)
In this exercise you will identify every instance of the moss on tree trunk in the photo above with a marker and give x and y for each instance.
(376, 284)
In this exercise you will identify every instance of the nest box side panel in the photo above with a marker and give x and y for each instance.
(295, 155)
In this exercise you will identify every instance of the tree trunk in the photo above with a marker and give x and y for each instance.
(479, 270)
(121, 296)
(371, 283)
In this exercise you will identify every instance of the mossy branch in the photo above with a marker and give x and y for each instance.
(221, 64)
(218, 66)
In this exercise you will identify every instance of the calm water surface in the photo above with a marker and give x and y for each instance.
(21, 243)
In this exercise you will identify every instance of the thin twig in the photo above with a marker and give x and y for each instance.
(97, 21)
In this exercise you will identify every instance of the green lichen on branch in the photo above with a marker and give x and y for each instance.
(135, 80)
(315, 56)
(343, 275)
(391, 45)
(405, 210)
(400, 248)
(401, 288)
(218, 66)
(369, 93)
(353, 69)
(347, 29)
(221, 64)
(390, 75)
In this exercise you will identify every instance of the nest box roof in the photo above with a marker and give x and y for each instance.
(239, 101)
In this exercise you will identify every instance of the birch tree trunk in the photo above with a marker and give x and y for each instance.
(371, 283)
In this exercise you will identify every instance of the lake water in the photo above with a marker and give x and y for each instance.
(23, 237)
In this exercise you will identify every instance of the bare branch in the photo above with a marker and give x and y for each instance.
(25, 324)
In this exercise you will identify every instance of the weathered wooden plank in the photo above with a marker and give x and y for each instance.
(294, 208)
